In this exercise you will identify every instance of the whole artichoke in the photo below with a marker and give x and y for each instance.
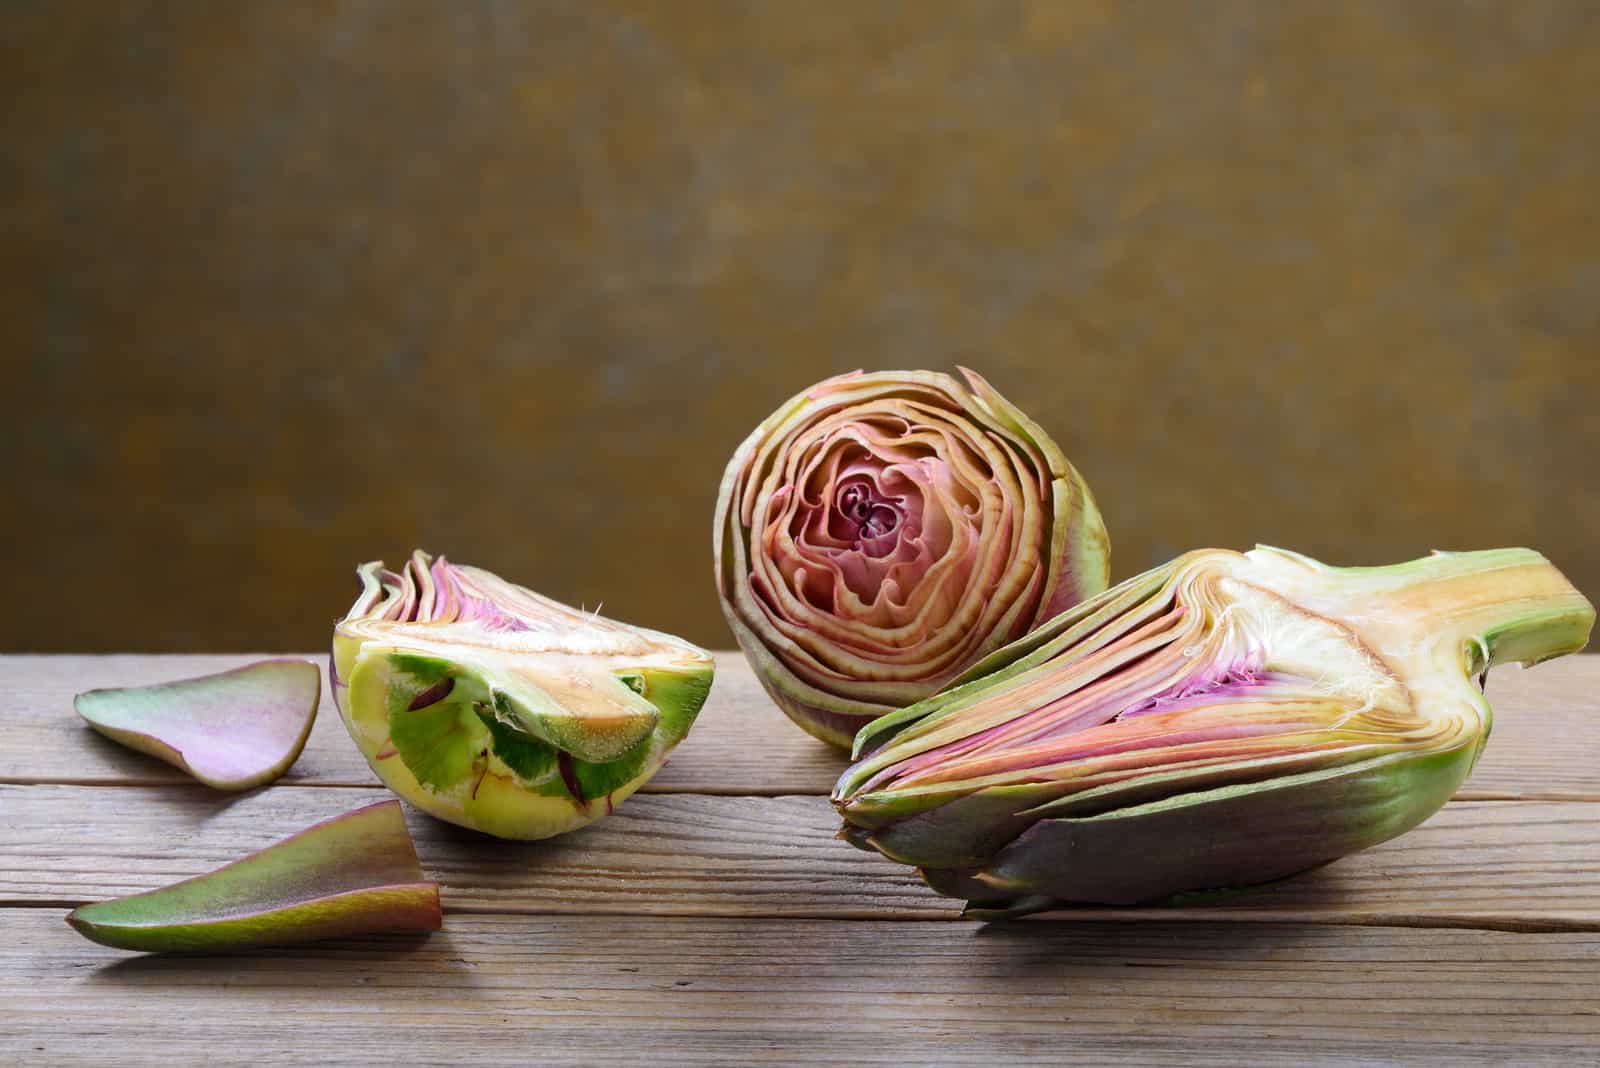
(490, 706)
(1221, 721)
(880, 533)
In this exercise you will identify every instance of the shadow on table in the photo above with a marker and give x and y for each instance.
(1245, 925)
(141, 769)
(1302, 897)
(1058, 926)
(357, 962)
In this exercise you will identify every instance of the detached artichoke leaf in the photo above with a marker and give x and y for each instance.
(232, 731)
(488, 705)
(354, 874)
(881, 533)
(1223, 721)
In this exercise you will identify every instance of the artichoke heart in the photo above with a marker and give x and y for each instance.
(1224, 720)
(488, 705)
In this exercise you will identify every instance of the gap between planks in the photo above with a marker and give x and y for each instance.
(1333, 917)
(598, 990)
(1492, 865)
(1464, 794)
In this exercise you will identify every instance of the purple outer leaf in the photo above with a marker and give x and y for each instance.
(353, 874)
(232, 730)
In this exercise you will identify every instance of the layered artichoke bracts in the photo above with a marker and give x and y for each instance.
(491, 706)
(880, 533)
(1221, 721)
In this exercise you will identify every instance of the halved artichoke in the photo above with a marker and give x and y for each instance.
(1224, 720)
(880, 533)
(488, 705)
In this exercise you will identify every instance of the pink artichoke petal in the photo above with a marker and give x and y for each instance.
(353, 874)
(232, 731)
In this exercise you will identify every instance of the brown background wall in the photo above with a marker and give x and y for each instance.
(287, 287)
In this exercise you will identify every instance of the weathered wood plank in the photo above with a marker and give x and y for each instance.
(1522, 865)
(1546, 743)
(618, 990)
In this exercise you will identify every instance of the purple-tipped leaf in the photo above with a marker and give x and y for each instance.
(354, 874)
(232, 730)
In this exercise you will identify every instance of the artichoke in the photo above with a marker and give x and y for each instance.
(1221, 721)
(880, 533)
(354, 874)
(487, 705)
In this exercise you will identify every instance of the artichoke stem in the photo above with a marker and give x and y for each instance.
(1507, 606)
(1490, 607)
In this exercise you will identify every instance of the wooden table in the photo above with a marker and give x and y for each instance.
(716, 918)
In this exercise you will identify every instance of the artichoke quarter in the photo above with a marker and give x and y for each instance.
(1224, 720)
(488, 705)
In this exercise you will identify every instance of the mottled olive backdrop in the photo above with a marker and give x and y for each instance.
(291, 286)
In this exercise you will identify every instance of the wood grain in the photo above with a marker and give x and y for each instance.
(1523, 865)
(717, 919)
(1545, 745)
(618, 990)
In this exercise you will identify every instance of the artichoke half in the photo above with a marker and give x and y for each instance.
(488, 705)
(880, 533)
(1224, 720)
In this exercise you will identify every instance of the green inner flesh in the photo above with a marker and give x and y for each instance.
(450, 724)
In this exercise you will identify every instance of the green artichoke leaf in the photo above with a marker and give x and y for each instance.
(443, 743)
(1233, 836)
(353, 874)
(594, 715)
(528, 758)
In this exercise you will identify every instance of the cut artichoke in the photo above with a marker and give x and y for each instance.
(880, 533)
(1225, 720)
(487, 705)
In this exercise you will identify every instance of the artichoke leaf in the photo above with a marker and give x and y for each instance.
(232, 731)
(353, 874)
